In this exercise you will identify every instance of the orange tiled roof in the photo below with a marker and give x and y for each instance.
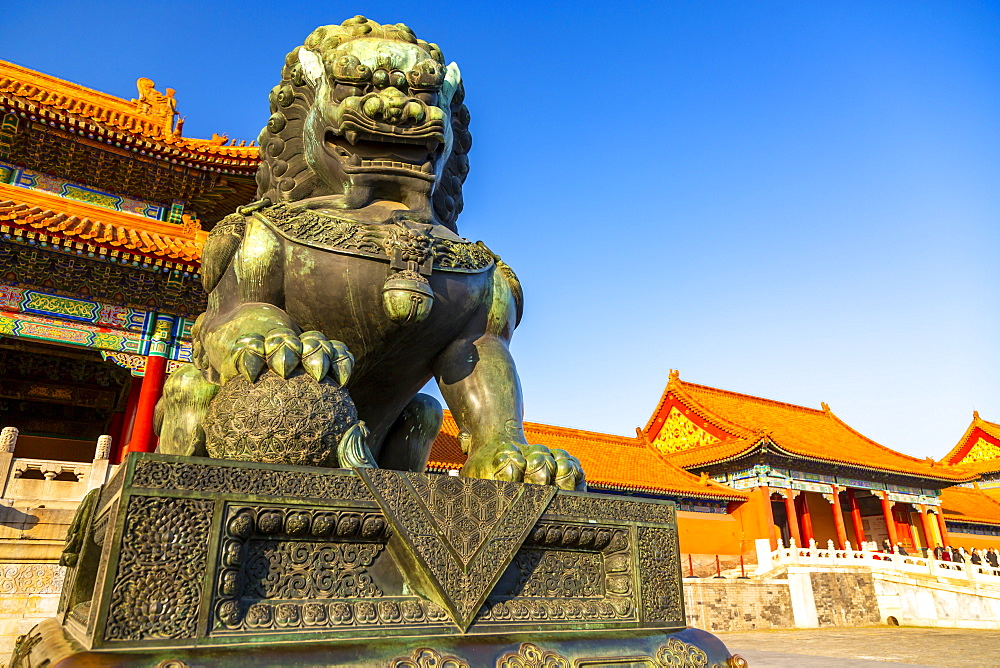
(747, 421)
(610, 462)
(978, 427)
(42, 212)
(102, 117)
(968, 504)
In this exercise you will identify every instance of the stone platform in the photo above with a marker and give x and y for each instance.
(186, 561)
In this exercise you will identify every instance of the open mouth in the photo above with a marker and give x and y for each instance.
(363, 151)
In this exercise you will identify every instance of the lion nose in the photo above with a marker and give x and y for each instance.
(392, 106)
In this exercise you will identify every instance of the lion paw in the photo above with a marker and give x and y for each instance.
(282, 351)
(528, 463)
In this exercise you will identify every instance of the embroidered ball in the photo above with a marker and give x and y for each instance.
(295, 421)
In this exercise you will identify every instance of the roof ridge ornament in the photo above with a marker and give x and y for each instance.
(162, 106)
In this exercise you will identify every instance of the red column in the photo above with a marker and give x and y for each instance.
(160, 341)
(143, 439)
(793, 521)
(838, 519)
(945, 540)
(890, 522)
(120, 444)
(928, 528)
(115, 431)
(859, 527)
(807, 524)
(769, 516)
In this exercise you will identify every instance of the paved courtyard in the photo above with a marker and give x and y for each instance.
(863, 647)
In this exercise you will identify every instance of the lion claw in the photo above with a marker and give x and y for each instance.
(249, 358)
(531, 463)
(342, 363)
(282, 351)
(316, 354)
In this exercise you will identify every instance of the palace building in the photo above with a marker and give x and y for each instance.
(104, 205)
(804, 475)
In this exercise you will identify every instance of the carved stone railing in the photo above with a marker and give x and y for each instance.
(816, 556)
(46, 479)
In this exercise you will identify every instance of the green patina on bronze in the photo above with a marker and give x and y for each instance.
(349, 271)
(312, 536)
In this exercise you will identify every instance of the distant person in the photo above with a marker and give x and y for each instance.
(993, 558)
(901, 550)
(939, 552)
(975, 557)
(956, 555)
(887, 546)
(945, 553)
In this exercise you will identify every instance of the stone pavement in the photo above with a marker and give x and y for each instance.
(865, 647)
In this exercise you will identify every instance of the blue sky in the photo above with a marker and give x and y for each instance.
(797, 200)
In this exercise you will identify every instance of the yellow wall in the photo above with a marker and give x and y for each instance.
(711, 533)
(821, 512)
(970, 540)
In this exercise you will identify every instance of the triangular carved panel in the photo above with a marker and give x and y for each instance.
(454, 537)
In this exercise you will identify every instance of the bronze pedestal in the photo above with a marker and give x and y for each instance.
(200, 562)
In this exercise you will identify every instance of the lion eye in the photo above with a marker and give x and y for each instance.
(343, 91)
(430, 99)
(397, 79)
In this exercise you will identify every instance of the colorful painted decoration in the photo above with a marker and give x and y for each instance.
(982, 451)
(35, 180)
(679, 433)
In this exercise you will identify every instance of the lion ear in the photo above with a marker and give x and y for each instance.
(452, 80)
(311, 65)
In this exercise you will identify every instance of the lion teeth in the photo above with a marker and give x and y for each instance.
(358, 162)
(351, 136)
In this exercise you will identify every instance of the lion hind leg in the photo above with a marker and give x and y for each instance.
(407, 446)
(180, 411)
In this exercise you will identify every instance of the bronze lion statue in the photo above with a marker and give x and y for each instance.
(345, 288)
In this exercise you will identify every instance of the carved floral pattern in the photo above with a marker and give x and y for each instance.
(425, 657)
(157, 588)
(377, 241)
(679, 654)
(599, 507)
(31, 579)
(659, 563)
(304, 569)
(589, 579)
(532, 656)
(559, 574)
(152, 474)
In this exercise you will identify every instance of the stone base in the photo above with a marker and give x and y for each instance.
(208, 561)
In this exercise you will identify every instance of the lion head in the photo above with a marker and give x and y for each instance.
(367, 113)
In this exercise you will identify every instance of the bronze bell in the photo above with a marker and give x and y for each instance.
(407, 297)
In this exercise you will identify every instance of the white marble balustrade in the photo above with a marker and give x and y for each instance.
(25, 479)
(820, 556)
